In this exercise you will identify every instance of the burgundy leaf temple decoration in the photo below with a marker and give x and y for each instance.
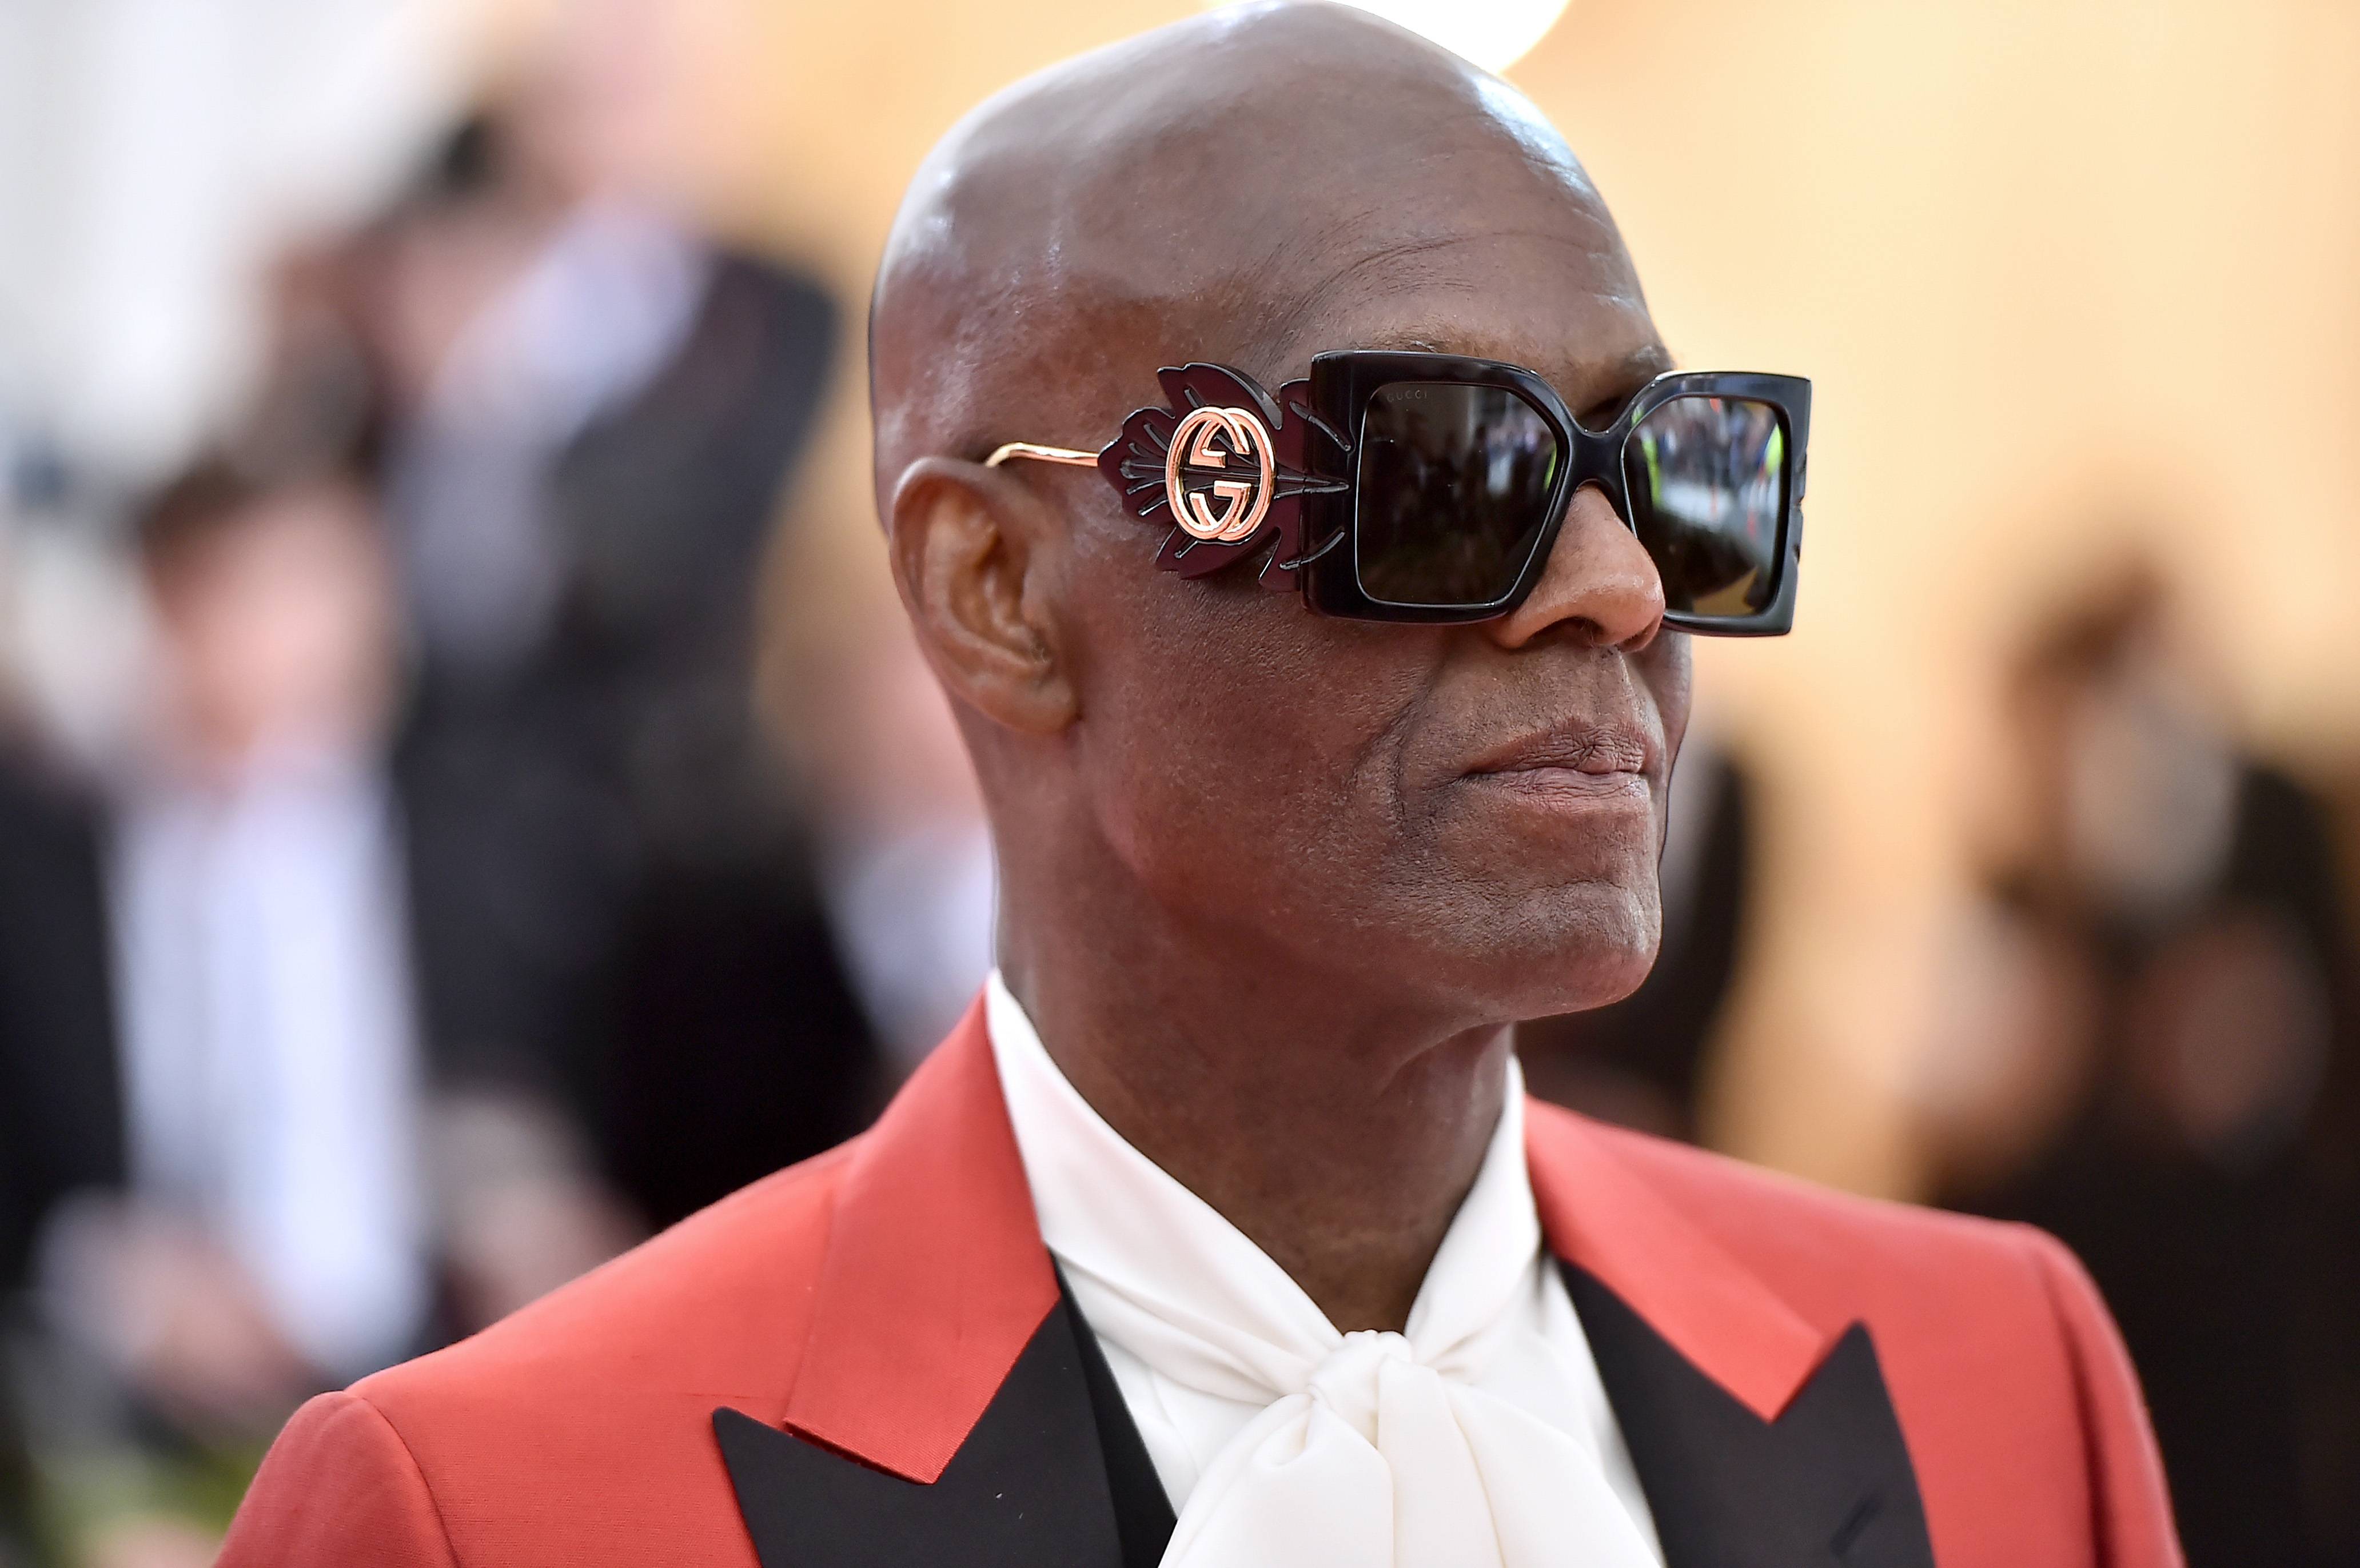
(1227, 465)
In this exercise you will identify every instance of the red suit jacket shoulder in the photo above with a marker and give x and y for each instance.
(868, 1307)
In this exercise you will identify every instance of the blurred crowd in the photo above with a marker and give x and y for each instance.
(430, 906)
(2148, 1044)
(428, 916)
(2145, 1039)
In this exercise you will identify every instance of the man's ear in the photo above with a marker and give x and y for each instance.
(974, 555)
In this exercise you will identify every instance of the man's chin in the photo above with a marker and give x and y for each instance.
(1565, 951)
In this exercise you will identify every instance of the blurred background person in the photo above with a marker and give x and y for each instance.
(904, 855)
(2148, 1049)
(213, 1076)
(426, 917)
(590, 409)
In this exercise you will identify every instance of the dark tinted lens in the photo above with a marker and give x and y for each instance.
(1707, 481)
(1454, 489)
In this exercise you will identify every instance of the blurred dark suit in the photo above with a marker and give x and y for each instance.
(61, 1122)
(61, 1100)
(2231, 1270)
(610, 901)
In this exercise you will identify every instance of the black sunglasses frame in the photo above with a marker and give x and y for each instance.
(1301, 501)
(1342, 384)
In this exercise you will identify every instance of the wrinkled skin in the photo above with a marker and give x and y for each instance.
(1275, 886)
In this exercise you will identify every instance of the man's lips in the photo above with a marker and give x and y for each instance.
(1579, 769)
(1602, 753)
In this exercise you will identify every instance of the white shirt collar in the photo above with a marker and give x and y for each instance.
(1203, 1331)
(1108, 1212)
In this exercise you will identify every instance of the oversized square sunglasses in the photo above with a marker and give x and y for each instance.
(1395, 487)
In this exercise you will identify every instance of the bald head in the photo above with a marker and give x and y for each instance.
(1194, 765)
(1222, 188)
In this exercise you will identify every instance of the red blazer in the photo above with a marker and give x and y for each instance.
(866, 1358)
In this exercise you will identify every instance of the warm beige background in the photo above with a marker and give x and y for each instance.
(2065, 274)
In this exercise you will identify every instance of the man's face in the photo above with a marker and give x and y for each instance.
(1468, 818)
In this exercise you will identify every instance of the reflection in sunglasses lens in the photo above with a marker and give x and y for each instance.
(1454, 489)
(1707, 478)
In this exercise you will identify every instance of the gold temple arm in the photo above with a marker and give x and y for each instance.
(1041, 454)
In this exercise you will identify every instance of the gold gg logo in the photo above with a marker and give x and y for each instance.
(1212, 439)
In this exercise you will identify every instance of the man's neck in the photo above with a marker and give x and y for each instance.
(1339, 1140)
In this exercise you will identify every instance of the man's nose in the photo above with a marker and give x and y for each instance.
(1598, 584)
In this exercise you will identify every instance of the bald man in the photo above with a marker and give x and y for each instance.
(1286, 482)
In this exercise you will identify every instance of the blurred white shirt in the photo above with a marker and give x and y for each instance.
(912, 914)
(269, 1047)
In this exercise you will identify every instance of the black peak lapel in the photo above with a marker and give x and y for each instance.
(1142, 1509)
(1827, 1484)
(1054, 1475)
